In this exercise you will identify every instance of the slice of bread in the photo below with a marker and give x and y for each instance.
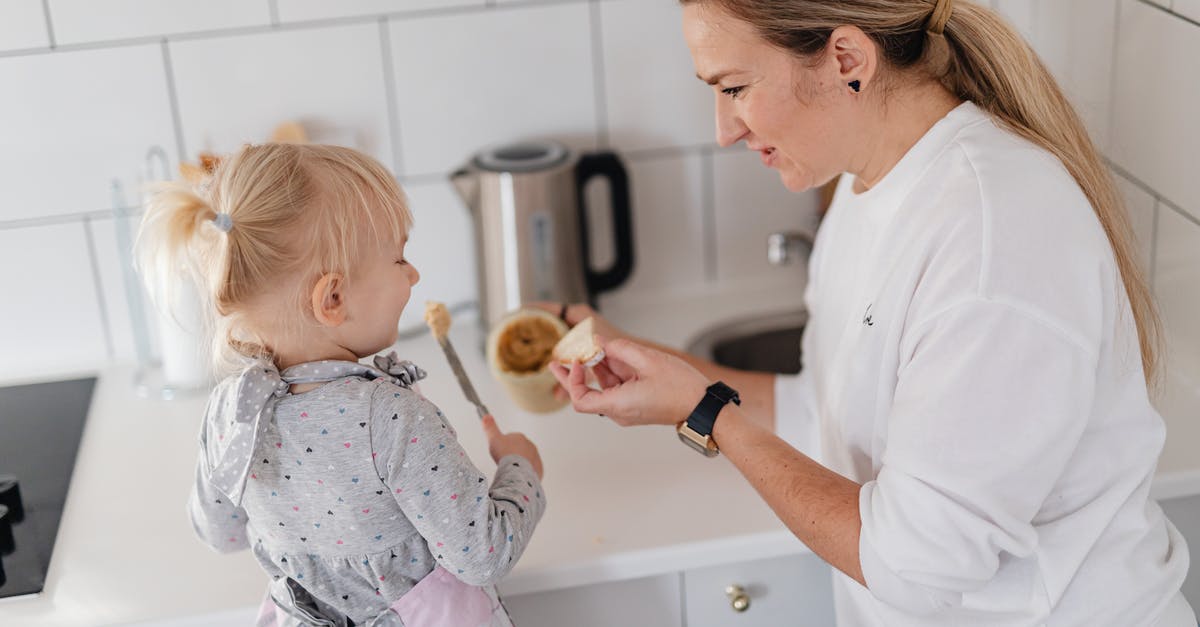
(579, 346)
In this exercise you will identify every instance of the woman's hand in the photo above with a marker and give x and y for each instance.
(501, 444)
(641, 385)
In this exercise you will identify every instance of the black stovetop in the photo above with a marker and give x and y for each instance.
(40, 428)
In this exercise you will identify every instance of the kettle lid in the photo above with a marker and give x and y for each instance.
(529, 156)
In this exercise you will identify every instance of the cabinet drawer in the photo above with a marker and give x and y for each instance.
(796, 590)
(648, 602)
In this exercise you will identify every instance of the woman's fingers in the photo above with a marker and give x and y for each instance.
(605, 376)
(628, 353)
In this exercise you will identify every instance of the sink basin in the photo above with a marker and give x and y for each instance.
(762, 343)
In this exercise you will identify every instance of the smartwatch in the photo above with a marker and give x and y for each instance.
(696, 431)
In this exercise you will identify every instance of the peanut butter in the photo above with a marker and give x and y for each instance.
(525, 344)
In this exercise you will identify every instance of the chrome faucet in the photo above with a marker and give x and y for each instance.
(784, 247)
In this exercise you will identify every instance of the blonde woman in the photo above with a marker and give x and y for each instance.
(349, 487)
(971, 440)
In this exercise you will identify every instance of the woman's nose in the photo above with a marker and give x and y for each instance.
(730, 128)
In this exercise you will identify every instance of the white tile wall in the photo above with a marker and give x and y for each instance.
(51, 319)
(500, 76)
(79, 119)
(79, 21)
(1188, 8)
(23, 25)
(111, 265)
(233, 90)
(442, 248)
(1177, 284)
(750, 203)
(1155, 129)
(1074, 38)
(1141, 206)
(652, 95)
(668, 223)
(301, 10)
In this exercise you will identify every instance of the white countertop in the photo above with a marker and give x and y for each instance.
(622, 503)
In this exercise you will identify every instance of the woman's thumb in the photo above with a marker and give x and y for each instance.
(627, 351)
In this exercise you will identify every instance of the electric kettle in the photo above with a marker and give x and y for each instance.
(527, 203)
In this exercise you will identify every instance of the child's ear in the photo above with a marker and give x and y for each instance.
(329, 300)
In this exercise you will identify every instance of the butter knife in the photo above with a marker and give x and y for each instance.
(461, 374)
(438, 319)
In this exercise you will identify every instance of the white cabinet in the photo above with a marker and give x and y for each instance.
(649, 602)
(795, 590)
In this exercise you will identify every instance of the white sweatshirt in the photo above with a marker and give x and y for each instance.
(972, 360)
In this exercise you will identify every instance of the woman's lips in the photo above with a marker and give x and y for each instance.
(768, 156)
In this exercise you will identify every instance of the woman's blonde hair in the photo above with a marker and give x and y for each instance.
(978, 57)
(269, 223)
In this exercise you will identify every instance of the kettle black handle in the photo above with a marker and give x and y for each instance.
(608, 165)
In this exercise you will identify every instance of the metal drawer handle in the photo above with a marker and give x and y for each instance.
(738, 599)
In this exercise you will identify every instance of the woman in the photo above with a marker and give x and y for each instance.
(971, 440)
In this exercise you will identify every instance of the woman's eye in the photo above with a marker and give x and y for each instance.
(732, 92)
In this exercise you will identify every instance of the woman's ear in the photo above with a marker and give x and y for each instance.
(856, 57)
(329, 300)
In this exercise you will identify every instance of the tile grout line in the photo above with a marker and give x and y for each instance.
(391, 96)
(62, 218)
(258, 29)
(599, 84)
(173, 101)
(1170, 11)
(98, 283)
(320, 23)
(708, 217)
(1111, 122)
(49, 24)
(1145, 187)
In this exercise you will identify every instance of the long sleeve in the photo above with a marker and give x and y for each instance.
(988, 410)
(475, 529)
(795, 421)
(219, 523)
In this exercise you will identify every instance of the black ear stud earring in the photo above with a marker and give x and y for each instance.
(856, 86)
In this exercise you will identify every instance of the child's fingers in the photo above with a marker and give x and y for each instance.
(489, 427)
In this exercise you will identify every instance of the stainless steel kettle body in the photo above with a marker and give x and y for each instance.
(527, 205)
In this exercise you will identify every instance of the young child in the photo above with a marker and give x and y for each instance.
(349, 487)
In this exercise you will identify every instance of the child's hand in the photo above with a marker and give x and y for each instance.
(501, 444)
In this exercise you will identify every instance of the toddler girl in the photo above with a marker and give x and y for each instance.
(349, 486)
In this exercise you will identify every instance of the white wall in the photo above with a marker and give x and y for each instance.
(88, 87)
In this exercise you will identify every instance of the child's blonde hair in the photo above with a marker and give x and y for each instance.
(271, 221)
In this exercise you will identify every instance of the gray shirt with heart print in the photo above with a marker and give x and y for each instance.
(356, 490)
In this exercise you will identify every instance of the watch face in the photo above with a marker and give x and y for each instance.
(702, 444)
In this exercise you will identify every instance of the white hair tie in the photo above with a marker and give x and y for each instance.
(223, 222)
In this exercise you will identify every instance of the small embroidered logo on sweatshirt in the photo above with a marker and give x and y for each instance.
(868, 320)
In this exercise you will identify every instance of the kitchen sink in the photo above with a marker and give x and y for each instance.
(763, 343)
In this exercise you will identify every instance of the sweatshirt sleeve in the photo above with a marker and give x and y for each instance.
(218, 522)
(795, 421)
(475, 528)
(989, 407)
